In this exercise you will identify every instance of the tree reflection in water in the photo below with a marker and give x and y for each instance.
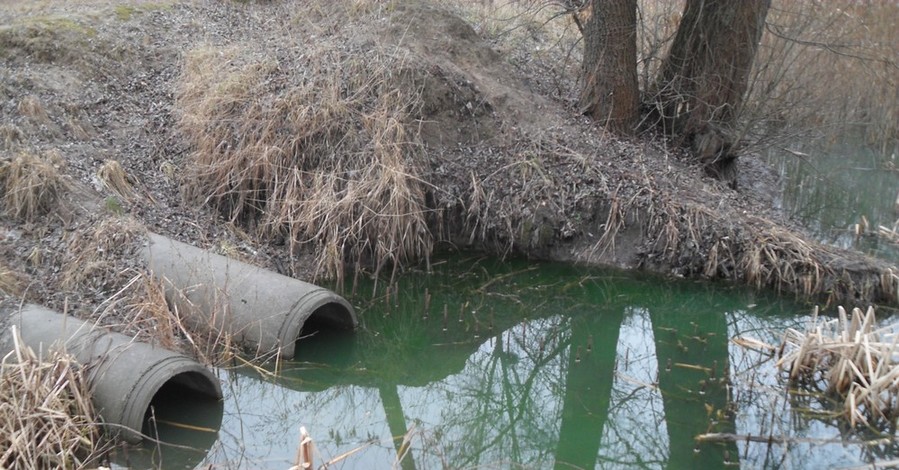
(529, 367)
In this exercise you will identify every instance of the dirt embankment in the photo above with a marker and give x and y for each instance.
(365, 135)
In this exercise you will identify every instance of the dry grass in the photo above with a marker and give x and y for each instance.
(102, 259)
(780, 259)
(114, 178)
(693, 240)
(10, 135)
(332, 164)
(148, 311)
(141, 308)
(32, 107)
(46, 417)
(104, 262)
(849, 359)
(12, 282)
(890, 234)
(30, 185)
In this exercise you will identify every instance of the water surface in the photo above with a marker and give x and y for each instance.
(832, 188)
(520, 364)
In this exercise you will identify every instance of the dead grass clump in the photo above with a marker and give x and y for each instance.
(46, 416)
(850, 360)
(113, 177)
(148, 311)
(328, 157)
(30, 185)
(103, 258)
(10, 135)
(12, 282)
(780, 259)
(31, 106)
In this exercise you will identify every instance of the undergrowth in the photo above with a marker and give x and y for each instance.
(328, 157)
(823, 68)
(31, 184)
(46, 416)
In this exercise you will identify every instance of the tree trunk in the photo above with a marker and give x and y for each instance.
(702, 81)
(611, 93)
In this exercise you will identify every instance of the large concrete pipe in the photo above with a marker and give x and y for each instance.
(124, 375)
(263, 310)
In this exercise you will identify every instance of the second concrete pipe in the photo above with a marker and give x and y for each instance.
(262, 309)
(124, 375)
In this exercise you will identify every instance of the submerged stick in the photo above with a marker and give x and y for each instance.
(772, 439)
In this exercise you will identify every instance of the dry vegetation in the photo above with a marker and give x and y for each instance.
(12, 282)
(823, 69)
(104, 262)
(114, 179)
(46, 416)
(848, 359)
(831, 67)
(30, 184)
(328, 158)
(101, 259)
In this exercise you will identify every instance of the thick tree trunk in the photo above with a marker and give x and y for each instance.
(702, 81)
(611, 93)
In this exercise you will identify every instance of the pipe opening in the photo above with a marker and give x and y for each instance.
(331, 315)
(327, 336)
(185, 411)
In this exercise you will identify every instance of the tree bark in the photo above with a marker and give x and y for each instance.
(702, 80)
(611, 93)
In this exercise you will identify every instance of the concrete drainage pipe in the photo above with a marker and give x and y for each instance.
(263, 310)
(124, 375)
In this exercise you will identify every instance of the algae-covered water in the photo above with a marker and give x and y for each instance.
(489, 364)
(482, 363)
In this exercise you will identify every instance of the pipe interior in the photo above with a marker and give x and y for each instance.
(188, 400)
(330, 316)
(327, 335)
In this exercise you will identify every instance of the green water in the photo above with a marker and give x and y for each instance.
(532, 366)
(830, 189)
(489, 364)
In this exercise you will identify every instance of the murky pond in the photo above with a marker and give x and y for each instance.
(489, 364)
(833, 188)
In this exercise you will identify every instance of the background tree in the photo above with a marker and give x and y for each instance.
(611, 94)
(702, 81)
(699, 90)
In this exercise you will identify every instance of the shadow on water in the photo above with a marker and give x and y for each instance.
(499, 364)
